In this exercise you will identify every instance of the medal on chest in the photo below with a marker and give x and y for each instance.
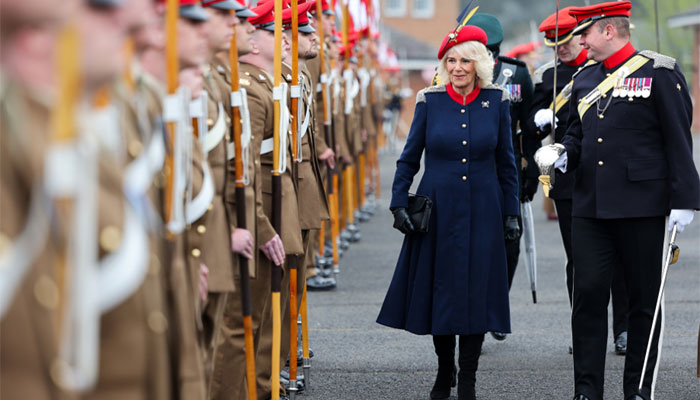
(514, 92)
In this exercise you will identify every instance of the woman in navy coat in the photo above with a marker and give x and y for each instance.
(453, 279)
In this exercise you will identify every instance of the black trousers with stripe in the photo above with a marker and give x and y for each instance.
(598, 246)
(620, 306)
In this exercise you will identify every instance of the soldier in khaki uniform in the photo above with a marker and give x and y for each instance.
(325, 154)
(229, 368)
(188, 265)
(29, 306)
(313, 203)
(258, 66)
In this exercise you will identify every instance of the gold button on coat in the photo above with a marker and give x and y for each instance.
(157, 322)
(46, 292)
(464, 161)
(464, 125)
(110, 237)
(134, 148)
(600, 140)
(201, 229)
(196, 253)
(462, 111)
(464, 142)
(464, 178)
(600, 163)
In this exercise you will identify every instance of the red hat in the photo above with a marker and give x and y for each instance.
(521, 49)
(567, 23)
(265, 16)
(463, 33)
(586, 16)
(302, 10)
(325, 8)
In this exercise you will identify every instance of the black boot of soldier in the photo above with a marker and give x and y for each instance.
(447, 373)
(469, 352)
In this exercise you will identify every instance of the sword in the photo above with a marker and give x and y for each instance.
(671, 258)
(529, 245)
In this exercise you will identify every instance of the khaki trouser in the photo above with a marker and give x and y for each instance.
(229, 380)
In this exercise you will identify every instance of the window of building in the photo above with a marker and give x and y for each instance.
(395, 8)
(423, 8)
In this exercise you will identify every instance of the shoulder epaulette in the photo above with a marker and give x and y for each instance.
(660, 60)
(505, 95)
(509, 60)
(539, 72)
(420, 97)
(584, 66)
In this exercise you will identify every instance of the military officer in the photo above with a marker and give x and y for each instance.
(515, 77)
(628, 138)
(571, 57)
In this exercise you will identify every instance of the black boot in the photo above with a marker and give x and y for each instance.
(447, 373)
(469, 351)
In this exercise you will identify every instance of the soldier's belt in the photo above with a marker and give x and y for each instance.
(606, 85)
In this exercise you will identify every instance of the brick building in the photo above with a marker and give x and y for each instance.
(415, 29)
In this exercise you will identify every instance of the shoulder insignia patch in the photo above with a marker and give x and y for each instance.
(420, 97)
(660, 60)
(514, 61)
(505, 94)
(539, 72)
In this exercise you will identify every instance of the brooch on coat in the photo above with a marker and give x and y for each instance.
(485, 104)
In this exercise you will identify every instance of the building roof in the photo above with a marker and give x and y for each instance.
(687, 18)
(407, 46)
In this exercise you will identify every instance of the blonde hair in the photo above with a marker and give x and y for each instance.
(471, 50)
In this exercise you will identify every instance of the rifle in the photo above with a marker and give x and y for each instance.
(276, 278)
(237, 101)
(296, 156)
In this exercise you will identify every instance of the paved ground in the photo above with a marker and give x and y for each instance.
(358, 359)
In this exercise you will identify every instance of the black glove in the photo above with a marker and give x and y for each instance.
(402, 221)
(528, 188)
(512, 228)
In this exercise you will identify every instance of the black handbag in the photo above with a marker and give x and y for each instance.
(419, 209)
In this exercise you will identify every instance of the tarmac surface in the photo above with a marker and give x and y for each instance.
(356, 358)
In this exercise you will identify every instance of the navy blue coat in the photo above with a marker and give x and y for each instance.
(637, 160)
(453, 279)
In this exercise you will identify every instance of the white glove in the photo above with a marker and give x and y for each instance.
(543, 117)
(562, 162)
(682, 218)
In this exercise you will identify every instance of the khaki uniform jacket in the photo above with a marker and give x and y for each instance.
(135, 356)
(259, 87)
(313, 203)
(339, 118)
(181, 279)
(29, 326)
(213, 228)
(355, 126)
(314, 68)
(221, 75)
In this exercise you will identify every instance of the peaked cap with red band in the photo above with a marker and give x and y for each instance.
(302, 10)
(587, 16)
(567, 23)
(265, 19)
(462, 34)
(325, 8)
